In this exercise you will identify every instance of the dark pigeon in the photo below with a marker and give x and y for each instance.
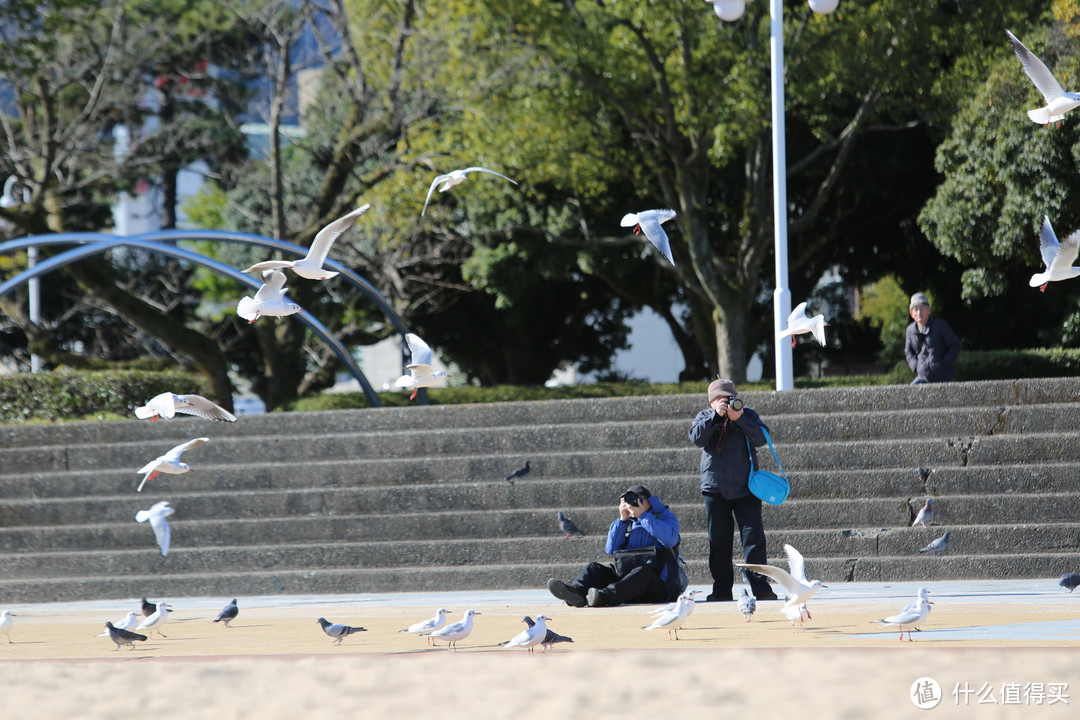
(123, 637)
(939, 546)
(926, 514)
(1070, 581)
(519, 473)
(550, 639)
(228, 613)
(338, 631)
(148, 608)
(568, 527)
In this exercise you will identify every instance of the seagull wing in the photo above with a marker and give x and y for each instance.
(1036, 70)
(1067, 252)
(789, 583)
(421, 352)
(269, 265)
(162, 531)
(818, 328)
(174, 454)
(796, 563)
(1049, 246)
(650, 225)
(797, 315)
(271, 288)
(438, 179)
(484, 169)
(320, 246)
(205, 409)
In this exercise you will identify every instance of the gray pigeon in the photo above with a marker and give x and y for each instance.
(148, 608)
(926, 514)
(1070, 581)
(747, 604)
(568, 527)
(228, 613)
(123, 637)
(338, 631)
(550, 639)
(939, 546)
(519, 473)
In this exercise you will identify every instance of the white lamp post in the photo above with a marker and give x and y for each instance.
(33, 286)
(730, 10)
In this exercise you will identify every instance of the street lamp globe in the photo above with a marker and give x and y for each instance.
(823, 7)
(728, 10)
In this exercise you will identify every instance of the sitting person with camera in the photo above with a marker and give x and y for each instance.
(644, 545)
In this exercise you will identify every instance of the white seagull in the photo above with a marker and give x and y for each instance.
(169, 463)
(531, 636)
(420, 372)
(427, 626)
(797, 323)
(156, 515)
(1057, 256)
(270, 299)
(1058, 102)
(650, 222)
(913, 614)
(128, 623)
(311, 266)
(794, 613)
(452, 633)
(167, 404)
(6, 623)
(674, 617)
(156, 618)
(795, 583)
(455, 177)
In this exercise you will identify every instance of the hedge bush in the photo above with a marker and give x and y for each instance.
(64, 395)
(1005, 364)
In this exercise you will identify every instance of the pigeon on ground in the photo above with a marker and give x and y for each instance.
(926, 514)
(798, 323)
(939, 546)
(5, 624)
(568, 527)
(269, 300)
(127, 623)
(121, 636)
(453, 633)
(156, 619)
(1057, 256)
(534, 634)
(913, 614)
(1070, 581)
(795, 583)
(167, 404)
(427, 626)
(157, 515)
(747, 604)
(338, 631)
(454, 178)
(650, 222)
(519, 473)
(420, 373)
(673, 619)
(228, 613)
(551, 638)
(169, 462)
(311, 266)
(1058, 102)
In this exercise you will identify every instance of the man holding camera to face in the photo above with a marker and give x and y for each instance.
(727, 431)
(643, 543)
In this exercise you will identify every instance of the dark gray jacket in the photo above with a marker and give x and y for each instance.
(725, 460)
(932, 356)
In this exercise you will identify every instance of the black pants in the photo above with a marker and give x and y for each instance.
(641, 585)
(721, 516)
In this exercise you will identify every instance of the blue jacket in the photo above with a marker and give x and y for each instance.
(725, 466)
(659, 527)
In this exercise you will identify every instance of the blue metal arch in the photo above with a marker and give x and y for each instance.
(97, 243)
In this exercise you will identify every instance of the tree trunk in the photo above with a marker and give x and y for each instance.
(731, 344)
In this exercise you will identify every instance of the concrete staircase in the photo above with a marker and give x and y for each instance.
(410, 499)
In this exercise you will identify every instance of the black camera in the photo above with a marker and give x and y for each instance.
(631, 498)
(735, 404)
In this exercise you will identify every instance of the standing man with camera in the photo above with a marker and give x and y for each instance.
(727, 433)
(643, 542)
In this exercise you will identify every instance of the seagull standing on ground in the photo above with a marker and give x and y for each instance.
(157, 515)
(926, 514)
(939, 546)
(1057, 256)
(795, 613)
(128, 623)
(519, 473)
(550, 638)
(228, 613)
(453, 633)
(167, 404)
(1070, 581)
(311, 266)
(674, 618)
(5, 624)
(798, 323)
(913, 614)
(531, 636)
(795, 582)
(157, 618)
(747, 604)
(169, 463)
(568, 527)
(650, 223)
(338, 631)
(1058, 102)
(269, 300)
(420, 373)
(454, 178)
(123, 637)
(429, 625)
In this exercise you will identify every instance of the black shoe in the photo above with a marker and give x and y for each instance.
(598, 598)
(767, 595)
(566, 593)
(717, 597)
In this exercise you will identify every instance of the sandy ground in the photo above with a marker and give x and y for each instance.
(275, 662)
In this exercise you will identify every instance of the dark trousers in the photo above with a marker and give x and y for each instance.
(721, 517)
(641, 585)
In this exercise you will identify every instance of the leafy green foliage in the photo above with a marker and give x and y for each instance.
(884, 306)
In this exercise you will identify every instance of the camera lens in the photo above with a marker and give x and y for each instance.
(735, 404)
(630, 498)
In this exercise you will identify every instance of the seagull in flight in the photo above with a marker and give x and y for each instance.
(169, 462)
(1058, 102)
(456, 177)
(798, 587)
(420, 373)
(797, 323)
(167, 404)
(650, 222)
(1057, 256)
(311, 266)
(270, 299)
(157, 515)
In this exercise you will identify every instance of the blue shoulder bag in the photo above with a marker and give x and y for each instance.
(769, 487)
